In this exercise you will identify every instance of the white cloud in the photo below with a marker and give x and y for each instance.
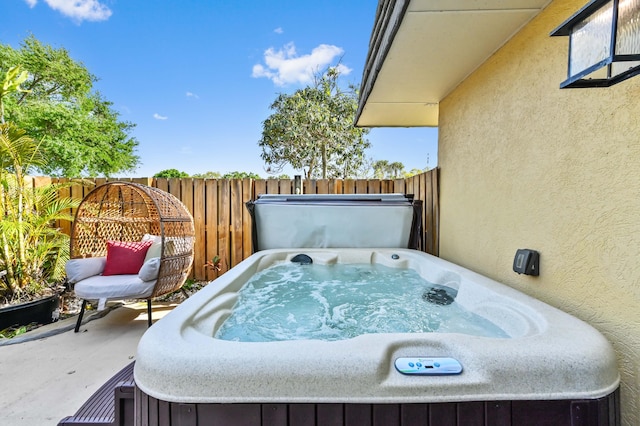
(159, 117)
(278, 30)
(192, 95)
(78, 10)
(286, 67)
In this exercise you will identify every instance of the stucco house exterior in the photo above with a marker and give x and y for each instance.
(522, 163)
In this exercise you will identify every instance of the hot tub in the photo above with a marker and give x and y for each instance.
(547, 368)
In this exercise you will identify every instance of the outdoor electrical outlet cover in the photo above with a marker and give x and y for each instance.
(527, 262)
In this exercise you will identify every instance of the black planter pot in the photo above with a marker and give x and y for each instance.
(40, 311)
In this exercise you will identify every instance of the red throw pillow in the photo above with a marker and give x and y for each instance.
(125, 257)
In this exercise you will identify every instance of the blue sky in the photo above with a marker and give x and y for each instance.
(197, 76)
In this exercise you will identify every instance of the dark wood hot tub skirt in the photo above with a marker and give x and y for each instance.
(597, 412)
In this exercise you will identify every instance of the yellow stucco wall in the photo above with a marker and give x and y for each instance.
(527, 165)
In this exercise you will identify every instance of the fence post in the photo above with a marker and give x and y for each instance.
(297, 184)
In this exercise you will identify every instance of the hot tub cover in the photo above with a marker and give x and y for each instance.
(336, 221)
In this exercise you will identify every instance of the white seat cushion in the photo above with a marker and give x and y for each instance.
(156, 246)
(114, 287)
(79, 269)
(150, 269)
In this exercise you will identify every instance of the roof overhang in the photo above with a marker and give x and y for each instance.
(420, 50)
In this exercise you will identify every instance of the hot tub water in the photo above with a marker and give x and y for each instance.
(339, 301)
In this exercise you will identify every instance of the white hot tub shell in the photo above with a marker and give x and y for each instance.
(552, 364)
(549, 355)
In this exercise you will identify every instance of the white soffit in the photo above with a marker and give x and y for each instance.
(439, 43)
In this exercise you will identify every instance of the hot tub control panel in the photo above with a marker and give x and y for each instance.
(428, 366)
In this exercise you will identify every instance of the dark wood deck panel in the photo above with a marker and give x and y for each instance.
(111, 404)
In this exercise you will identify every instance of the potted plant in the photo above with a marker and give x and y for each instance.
(32, 250)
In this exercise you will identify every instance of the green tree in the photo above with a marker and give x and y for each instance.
(78, 131)
(396, 169)
(208, 175)
(414, 172)
(240, 175)
(171, 173)
(383, 169)
(313, 130)
(380, 169)
(11, 83)
(32, 251)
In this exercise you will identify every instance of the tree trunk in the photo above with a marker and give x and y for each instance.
(309, 173)
(324, 160)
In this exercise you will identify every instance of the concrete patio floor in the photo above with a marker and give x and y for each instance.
(53, 371)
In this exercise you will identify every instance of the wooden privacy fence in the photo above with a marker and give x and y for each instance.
(223, 224)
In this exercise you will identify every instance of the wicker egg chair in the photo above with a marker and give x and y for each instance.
(126, 211)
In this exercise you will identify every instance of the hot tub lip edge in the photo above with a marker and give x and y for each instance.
(172, 325)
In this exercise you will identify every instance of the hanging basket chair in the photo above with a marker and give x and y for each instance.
(129, 212)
